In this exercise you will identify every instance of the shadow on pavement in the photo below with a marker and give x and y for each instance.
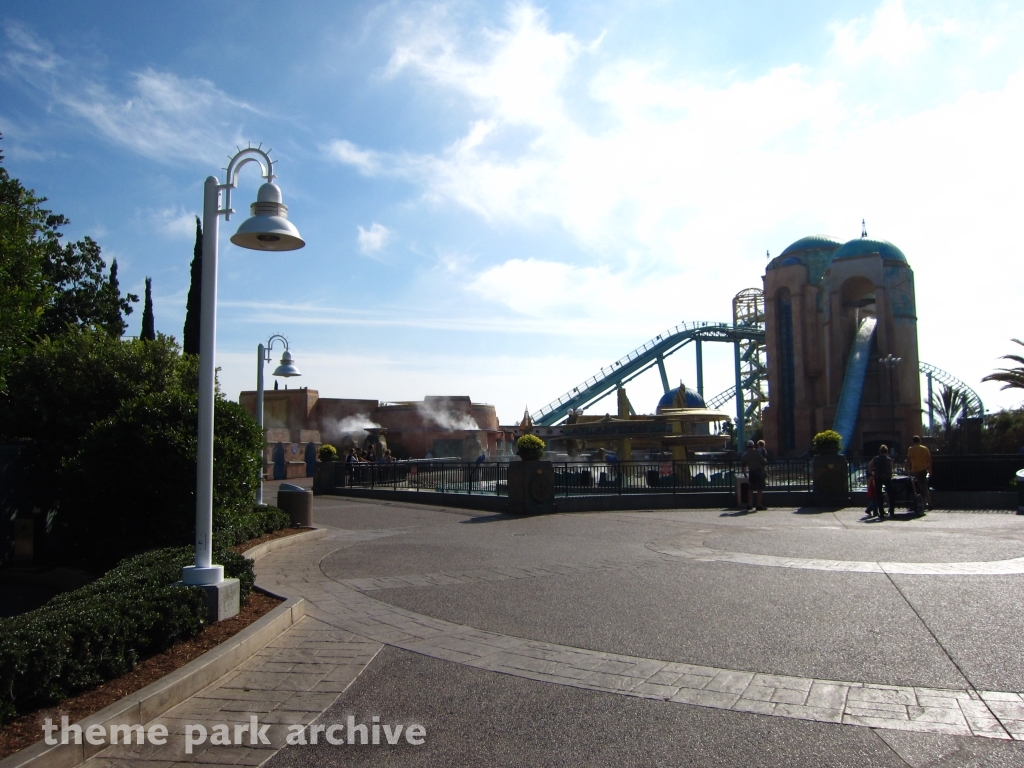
(500, 517)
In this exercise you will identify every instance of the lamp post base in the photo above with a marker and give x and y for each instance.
(222, 599)
(197, 576)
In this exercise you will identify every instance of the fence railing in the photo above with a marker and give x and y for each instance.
(571, 478)
(950, 473)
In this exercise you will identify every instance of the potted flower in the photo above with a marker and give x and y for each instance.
(530, 448)
(828, 442)
(327, 452)
(829, 471)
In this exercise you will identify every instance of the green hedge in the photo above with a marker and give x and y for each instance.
(101, 631)
(231, 529)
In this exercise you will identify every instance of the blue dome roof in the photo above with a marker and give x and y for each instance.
(813, 252)
(693, 398)
(813, 242)
(865, 245)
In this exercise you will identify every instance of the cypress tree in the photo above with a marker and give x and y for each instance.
(192, 308)
(148, 329)
(110, 305)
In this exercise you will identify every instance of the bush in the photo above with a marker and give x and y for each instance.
(530, 443)
(61, 388)
(327, 452)
(1004, 432)
(828, 441)
(229, 530)
(133, 476)
(101, 631)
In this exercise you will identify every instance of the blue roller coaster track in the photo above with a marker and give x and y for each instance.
(651, 354)
(654, 352)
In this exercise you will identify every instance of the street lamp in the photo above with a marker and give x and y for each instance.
(287, 369)
(890, 363)
(267, 229)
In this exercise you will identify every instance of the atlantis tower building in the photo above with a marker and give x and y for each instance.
(833, 311)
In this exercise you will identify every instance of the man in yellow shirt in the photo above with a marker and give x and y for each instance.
(919, 465)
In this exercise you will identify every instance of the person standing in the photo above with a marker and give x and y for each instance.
(919, 465)
(880, 469)
(757, 473)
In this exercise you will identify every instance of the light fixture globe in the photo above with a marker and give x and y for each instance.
(287, 367)
(268, 228)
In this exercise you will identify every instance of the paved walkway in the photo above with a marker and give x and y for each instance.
(370, 584)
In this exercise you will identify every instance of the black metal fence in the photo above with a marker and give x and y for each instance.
(975, 473)
(572, 478)
(951, 473)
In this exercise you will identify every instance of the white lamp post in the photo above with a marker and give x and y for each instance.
(268, 229)
(286, 368)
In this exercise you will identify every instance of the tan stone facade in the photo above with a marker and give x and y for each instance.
(817, 293)
(296, 419)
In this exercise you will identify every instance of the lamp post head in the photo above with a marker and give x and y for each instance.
(268, 228)
(287, 367)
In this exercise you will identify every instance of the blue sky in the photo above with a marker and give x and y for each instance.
(500, 198)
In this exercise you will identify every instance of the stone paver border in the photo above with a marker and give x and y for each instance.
(979, 568)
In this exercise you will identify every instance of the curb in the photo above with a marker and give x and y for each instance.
(156, 698)
(275, 544)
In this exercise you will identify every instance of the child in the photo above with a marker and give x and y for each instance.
(872, 509)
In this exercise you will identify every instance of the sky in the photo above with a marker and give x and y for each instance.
(498, 199)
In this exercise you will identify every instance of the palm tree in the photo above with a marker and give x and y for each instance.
(1012, 378)
(950, 404)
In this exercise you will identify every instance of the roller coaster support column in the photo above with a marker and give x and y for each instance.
(700, 368)
(741, 437)
(664, 375)
(931, 407)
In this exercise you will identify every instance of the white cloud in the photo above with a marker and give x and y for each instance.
(374, 239)
(175, 222)
(674, 184)
(367, 162)
(889, 36)
(160, 115)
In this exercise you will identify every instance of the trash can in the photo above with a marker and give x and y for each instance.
(298, 503)
(1020, 491)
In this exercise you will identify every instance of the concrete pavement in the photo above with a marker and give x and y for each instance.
(689, 637)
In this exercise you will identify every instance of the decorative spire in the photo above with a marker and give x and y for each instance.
(863, 228)
(768, 255)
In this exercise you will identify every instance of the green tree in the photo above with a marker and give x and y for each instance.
(148, 330)
(1012, 378)
(1004, 432)
(60, 387)
(190, 335)
(950, 404)
(46, 285)
(152, 441)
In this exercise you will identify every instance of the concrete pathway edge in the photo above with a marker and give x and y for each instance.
(156, 698)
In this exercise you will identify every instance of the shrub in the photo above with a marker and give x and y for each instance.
(828, 441)
(530, 443)
(1004, 432)
(101, 631)
(133, 476)
(62, 387)
(327, 452)
(229, 530)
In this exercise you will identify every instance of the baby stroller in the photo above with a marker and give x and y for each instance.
(905, 493)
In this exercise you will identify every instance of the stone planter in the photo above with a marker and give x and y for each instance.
(531, 487)
(327, 476)
(530, 455)
(830, 481)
